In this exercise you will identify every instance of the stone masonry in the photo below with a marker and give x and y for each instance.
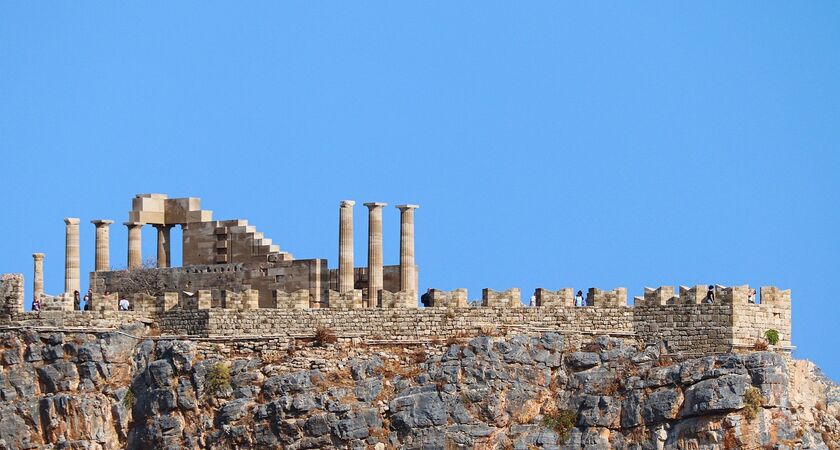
(235, 282)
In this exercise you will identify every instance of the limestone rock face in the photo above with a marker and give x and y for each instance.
(127, 389)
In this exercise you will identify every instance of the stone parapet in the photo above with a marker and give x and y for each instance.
(510, 298)
(350, 299)
(456, 298)
(614, 298)
(298, 299)
(560, 297)
(402, 299)
(103, 302)
(729, 323)
(11, 294)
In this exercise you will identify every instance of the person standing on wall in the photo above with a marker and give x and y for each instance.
(710, 294)
(77, 300)
(579, 299)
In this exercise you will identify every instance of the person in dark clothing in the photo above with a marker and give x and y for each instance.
(710, 295)
(426, 299)
(77, 301)
(87, 298)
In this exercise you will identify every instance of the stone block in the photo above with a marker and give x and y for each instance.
(298, 299)
(251, 299)
(205, 299)
(350, 299)
(599, 298)
(560, 297)
(168, 302)
(402, 299)
(510, 298)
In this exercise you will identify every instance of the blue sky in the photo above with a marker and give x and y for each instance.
(549, 144)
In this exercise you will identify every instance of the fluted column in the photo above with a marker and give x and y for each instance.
(38, 277)
(102, 261)
(408, 273)
(135, 249)
(345, 246)
(71, 255)
(163, 245)
(375, 282)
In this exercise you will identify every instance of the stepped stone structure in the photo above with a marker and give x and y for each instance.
(234, 282)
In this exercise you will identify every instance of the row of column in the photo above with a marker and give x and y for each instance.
(102, 261)
(408, 272)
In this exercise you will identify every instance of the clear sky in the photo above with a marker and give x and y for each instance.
(549, 144)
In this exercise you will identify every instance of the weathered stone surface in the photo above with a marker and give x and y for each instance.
(492, 391)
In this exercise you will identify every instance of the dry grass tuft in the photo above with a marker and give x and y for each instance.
(752, 401)
(324, 336)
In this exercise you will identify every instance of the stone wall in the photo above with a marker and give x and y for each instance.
(750, 321)
(287, 276)
(11, 294)
(685, 323)
(703, 329)
(401, 324)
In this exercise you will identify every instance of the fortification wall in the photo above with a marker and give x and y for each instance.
(11, 294)
(751, 321)
(704, 328)
(401, 324)
(688, 323)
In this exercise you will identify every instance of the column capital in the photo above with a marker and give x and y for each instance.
(347, 203)
(101, 222)
(163, 225)
(404, 207)
(71, 220)
(373, 205)
(133, 224)
(38, 256)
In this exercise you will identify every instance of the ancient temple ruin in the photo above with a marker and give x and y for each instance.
(234, 281)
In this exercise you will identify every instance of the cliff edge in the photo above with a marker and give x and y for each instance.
(131, 389)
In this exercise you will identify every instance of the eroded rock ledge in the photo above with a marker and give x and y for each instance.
(125, 389)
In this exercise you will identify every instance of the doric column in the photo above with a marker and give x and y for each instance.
(103, 245)
(71, 255)
(408, 279)
(345, 246)
(135, 249)
(374, 251)
(38, 277)
(163, 245)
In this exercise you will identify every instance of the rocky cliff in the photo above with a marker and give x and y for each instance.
(129, 389)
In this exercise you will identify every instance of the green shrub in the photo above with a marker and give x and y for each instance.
(752, 403)
(561, 422)
(772, 336)
(218, 379)
(129, 400)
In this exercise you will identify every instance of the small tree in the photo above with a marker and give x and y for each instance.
(218, 379)
(146, 279)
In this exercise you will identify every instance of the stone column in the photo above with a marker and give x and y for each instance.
(38, 277)
(345, 246)
(408, 273)
(163, 245)
(103, 245)
(374, 252)
(71, 255)
(135, 249)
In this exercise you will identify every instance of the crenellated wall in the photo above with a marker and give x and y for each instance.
(687, 323)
